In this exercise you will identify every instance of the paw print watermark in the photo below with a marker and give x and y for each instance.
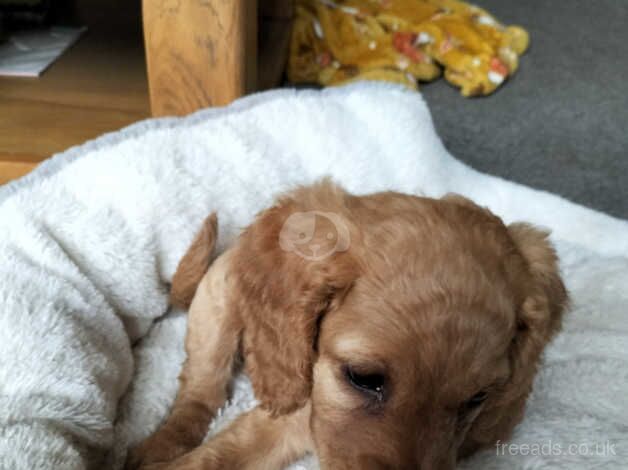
(314, 235)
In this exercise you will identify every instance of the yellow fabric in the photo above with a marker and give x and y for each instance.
(403, 41)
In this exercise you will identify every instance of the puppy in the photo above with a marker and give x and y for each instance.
(380, 332)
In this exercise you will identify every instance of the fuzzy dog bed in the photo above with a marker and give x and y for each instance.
(89, 353)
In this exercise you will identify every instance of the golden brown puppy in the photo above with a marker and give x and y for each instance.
(380, 332)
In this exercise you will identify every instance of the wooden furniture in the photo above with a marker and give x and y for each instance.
(205, 53)
(198, 53)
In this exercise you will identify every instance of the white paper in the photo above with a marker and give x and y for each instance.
(29, 53)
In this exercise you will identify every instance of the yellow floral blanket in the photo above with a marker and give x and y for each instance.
(403, 41)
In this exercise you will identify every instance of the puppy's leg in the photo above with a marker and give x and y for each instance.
(254, 441)
(211, 345)
(194, 264)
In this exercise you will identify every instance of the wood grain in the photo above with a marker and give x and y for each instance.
(103, 70)
(42, 129)
(199, 52)
(10, 170)
(97, 86)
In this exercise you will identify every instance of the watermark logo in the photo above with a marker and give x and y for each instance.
(314, 235)
(551, 448)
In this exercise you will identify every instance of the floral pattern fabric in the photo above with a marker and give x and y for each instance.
(403, 41)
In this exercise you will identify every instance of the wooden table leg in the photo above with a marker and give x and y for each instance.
(199, 53)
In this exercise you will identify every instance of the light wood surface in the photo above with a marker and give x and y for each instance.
(199, 53)
(97, 86)
(42, 128)
(196, 53)
(101, 71)
(10, 170)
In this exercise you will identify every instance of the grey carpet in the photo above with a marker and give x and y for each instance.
(561, 123)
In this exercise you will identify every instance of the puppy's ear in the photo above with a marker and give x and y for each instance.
(545, 295)
(542, 299)
(290, 269)
(544, 292)
(194, 264)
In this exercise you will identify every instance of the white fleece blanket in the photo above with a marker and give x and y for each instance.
(89, 242)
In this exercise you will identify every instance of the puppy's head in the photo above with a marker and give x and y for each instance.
(416, 336)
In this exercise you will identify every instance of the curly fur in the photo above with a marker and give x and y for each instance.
(439, 297)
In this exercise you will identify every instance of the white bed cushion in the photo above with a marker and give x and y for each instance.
(90, 240)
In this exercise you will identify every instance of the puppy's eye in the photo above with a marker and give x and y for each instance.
(476, 400)
(371, 384)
